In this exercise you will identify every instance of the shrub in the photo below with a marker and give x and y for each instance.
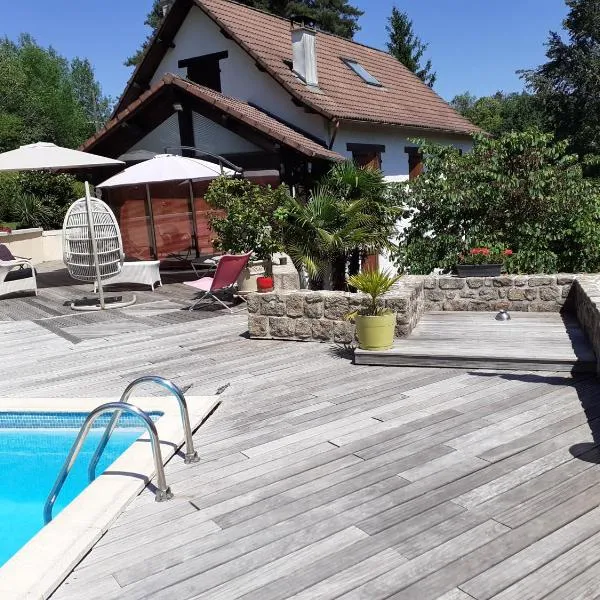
(249, 223)
(522, 191)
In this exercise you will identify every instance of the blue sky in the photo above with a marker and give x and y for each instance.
(475, 45)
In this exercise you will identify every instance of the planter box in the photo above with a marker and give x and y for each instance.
(490, 270)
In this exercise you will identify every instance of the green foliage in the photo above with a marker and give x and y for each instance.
(335, 16)
(501, 113)
(567, 85)
(37, 198)
(43, 97)
(248, 223)
(407, 47)
(375, 284)
(522, 191)
(349, 215)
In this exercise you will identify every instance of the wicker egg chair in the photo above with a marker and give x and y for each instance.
(93, 249)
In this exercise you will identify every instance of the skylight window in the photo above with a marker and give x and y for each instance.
(362, 72)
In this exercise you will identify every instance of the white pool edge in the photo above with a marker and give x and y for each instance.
(40, 566)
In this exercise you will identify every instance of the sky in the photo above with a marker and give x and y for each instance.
(474, 45)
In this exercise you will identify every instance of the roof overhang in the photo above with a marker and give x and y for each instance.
(155, 105)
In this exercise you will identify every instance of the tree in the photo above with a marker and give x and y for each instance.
(522, 191)
(44, 97)
(334, 16)
(567, 84)
(502, 112)
(408, 47)
(349, 215)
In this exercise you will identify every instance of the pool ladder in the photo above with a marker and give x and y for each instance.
(163, 491)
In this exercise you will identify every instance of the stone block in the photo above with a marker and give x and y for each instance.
(294, 305)
(258, 327)
(502, 281)
(550, 293)
(520, 280)
(253, 303)
(539, 280)
(434, 295)
(478, 306)
(503, 293)
(513, 306)
(566, 289)
(543, 307)
(450, 294)
(322, 330)
(343, 332)
(282, 327)
(456, 305)
(303, 329)
(403, 331)
(313, 306)
(272, 305)
(488, 294)
(357, 301)
(397, 304)
(520, 294)
(336, 307)
(475, 282)
(429, 283)
(451, 283)
(565, 279)
(467, 293)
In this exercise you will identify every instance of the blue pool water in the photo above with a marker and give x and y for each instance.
(33, 447)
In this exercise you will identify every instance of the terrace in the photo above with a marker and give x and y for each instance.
(323, 479)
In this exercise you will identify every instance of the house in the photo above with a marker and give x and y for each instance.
(272, 95)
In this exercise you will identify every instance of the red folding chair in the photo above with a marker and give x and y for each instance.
(228, 270)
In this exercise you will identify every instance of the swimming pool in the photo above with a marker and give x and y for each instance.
(33, 447)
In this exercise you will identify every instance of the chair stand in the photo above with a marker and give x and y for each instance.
(212, 296)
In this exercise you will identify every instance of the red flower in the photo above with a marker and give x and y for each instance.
(508, 253)
(485, 251)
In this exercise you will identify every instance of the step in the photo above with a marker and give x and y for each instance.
(400, 357)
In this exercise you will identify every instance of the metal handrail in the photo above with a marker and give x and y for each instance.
(198, 151)
(163, 491)
(191, 455)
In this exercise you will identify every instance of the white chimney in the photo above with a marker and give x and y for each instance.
(304, 43)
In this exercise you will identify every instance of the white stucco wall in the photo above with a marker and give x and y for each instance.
(240, 78)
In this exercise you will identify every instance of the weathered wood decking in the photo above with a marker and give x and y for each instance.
(529, 341)
(320, 479)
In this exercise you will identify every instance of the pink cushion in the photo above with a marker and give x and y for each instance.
(201, 284)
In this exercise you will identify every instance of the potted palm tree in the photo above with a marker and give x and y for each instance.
(375, 325)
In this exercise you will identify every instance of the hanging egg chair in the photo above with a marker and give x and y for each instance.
(93, 249)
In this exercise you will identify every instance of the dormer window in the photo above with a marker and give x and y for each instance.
(205, 70)
(362, 72)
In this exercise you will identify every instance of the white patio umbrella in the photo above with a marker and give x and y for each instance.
(47, 156)
(168, 167)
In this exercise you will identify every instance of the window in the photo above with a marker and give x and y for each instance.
(205, 70)
(366, 155)
(362, 72)
(415, 161)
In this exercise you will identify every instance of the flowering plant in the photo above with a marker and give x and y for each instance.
(484, 256)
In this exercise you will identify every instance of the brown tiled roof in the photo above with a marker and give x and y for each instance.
(404, 100)
(236, 109)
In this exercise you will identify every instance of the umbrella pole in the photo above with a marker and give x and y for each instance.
(193, 215)
(154, 248)
(88, 204)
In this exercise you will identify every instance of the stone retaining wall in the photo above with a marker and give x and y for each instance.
(524, 293)
(320, 316)
(587, 308)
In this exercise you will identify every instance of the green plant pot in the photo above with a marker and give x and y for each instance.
(376, 333)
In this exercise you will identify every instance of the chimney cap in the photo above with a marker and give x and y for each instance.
(304, 21)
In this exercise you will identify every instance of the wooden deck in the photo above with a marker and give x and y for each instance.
(320, 479)
(529, 341)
